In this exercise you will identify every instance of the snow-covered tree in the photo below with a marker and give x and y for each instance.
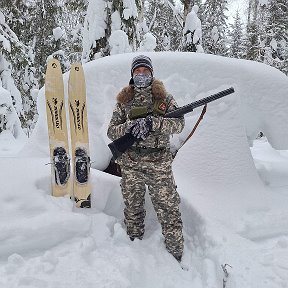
(25, 64)
(187, 7)
(12, 51)
(192, 32)
(255, 37)
(252, 42)
(9, 121)
(72, 20)
(236, 48)
(276, 46)
(214, 26)
(149, 43)
(97, 30)
(162, 23)
(43, 41)
(105, 17)
(127, 19)
(119, 43)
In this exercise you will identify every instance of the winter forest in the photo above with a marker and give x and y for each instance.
(31, 31)
(231, 176)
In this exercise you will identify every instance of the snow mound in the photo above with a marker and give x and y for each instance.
(12, 136)
(220, 143)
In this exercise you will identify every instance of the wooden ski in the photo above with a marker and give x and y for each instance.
(79, 136)
(57, 129)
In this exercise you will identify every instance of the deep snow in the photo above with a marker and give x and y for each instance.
(234, 206)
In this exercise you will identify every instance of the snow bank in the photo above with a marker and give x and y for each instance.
(260, 103)
(45, 242)
(229, 216)
(33, 220)
(13, 137)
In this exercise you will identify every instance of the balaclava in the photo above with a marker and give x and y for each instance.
(142, 80)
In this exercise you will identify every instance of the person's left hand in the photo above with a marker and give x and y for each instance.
(142, 127)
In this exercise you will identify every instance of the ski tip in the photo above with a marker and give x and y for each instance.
(53, 62)
(77, 67)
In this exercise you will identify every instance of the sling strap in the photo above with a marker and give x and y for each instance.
(196, 125)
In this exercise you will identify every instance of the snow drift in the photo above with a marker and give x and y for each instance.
(260, 103)
(229, 215)
(12, 136)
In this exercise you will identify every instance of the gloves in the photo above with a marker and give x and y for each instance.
(129, 125)
(141, 127)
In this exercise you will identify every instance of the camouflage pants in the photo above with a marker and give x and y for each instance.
(165, 199)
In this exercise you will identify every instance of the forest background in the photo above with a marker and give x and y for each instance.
(31, 31)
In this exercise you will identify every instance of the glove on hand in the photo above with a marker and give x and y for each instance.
(129, 125)
(142, 127)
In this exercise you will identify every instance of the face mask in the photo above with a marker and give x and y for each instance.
(142, 80)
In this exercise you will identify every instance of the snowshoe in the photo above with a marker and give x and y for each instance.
(84, 203)
(82, 166)
(61, 164)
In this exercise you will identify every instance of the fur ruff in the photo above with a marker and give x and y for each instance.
(127, 93)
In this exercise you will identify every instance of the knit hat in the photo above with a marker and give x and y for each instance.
(141, 61)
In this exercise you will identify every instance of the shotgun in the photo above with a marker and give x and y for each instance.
(120, 145)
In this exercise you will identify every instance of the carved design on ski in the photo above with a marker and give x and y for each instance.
(78, 115)
(56, 113)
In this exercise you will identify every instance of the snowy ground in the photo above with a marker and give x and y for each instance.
(234, 206)
(45, 242)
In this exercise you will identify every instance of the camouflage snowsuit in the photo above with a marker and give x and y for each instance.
(149, 162)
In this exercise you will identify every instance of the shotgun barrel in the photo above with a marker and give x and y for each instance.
(119, 146)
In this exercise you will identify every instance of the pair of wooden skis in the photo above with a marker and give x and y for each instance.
(66, 181)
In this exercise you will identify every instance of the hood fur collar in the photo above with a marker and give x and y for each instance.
(127, 93)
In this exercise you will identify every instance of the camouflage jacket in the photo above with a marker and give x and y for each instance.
(162, 128)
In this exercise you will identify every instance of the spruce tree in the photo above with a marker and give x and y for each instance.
(163, 25)
(236, 48)
(214, 26)
(128, 12)
(43, 42)
(276, 46)
(33, 22)
(192, 32)
(97, 30)
(71, 19)
(17, 70)
(187, 6)
(252, 42)
(254, 33)
(104, 17)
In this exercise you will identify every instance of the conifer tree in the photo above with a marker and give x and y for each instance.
(33, 23)
(192, 32)
(17, 71)
(236, 49)
(187, 6)
(214, 26)
(105, 17)
(276, 46)
(97, 30)
(71, 20)
(252, 42)
(128, 12)
(44, 44)
(163, 25)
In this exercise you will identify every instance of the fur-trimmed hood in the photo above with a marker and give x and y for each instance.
(127, 93)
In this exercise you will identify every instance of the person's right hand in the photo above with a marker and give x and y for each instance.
(141, 128)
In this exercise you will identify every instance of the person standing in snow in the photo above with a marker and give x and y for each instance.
(148, 161)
